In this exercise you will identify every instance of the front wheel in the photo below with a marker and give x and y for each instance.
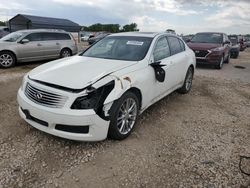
(7, 59)
(220, 64)
(188, 82)
(123, 116)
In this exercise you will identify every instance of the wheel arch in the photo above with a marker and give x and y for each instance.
(10, 51)
(138, 93)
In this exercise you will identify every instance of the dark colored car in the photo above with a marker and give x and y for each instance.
(211, 48)
(187, 38)
(243, 45)
(4, 31)
(235, 48)
(95, 39)
(248, 42)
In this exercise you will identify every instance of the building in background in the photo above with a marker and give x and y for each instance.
(22, 21)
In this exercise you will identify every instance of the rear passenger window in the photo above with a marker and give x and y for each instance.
(34, 37)
(49, 36)
(63, 36)
(161, 50)
(175, 45)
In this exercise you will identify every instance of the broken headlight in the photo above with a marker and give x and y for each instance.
(95, 97)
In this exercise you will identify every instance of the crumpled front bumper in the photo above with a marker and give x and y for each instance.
(97, 127)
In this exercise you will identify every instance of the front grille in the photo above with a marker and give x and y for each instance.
(201, 53)
(45, 98)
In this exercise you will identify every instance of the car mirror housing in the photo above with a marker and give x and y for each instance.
(159, 71)
(24, 41)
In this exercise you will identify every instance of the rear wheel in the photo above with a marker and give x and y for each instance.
(188, 82)
(7, 59)
(123, 116)
(65, 53)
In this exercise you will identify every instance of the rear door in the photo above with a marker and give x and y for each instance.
(32, 50)
(51, 44)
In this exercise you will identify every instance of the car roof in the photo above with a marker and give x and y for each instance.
(142, 34)
(212, 32)
(42, 30)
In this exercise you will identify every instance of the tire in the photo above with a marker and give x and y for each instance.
(236, 55)
(220, 64)
(7, 59)
(120, 126)
(65, 52)
(187, 85)
(228, 58)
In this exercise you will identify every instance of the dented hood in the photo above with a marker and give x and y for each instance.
(77, 72)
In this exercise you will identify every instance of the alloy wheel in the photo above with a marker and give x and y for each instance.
(189, 80)
(127, 116)
(6, 60)
(66, 53)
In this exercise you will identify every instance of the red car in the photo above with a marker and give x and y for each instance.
(211, 48)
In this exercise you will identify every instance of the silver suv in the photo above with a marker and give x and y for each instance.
(34, 45)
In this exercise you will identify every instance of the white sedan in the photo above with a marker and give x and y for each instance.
(101, 91)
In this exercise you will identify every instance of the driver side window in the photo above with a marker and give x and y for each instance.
(33, 37)
(161, 50)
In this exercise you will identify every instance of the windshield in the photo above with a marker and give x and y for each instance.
(233, 39)
(215, 38)
(120, 48)
(13, 37)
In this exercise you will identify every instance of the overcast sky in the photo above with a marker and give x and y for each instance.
(185, 16)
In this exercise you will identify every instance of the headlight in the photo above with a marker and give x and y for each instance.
(95, 97)
(217, 49)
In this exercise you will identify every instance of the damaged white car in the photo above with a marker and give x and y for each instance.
(101, 91)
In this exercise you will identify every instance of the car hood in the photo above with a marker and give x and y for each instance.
(202, 46)
(77, 72)
(4, 44)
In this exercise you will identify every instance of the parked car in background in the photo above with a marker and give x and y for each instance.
(4, 31)
(97, 38)
(248, 42)
(33, 45)
(235, 48)
(102, 91)
(243, 44)
(85, 36)
(187, 38)
(211, 48)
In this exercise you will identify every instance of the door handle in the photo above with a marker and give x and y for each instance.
(39, 44)
(57, 43)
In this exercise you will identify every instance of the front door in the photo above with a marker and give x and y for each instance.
(162, 55)
(31, 50)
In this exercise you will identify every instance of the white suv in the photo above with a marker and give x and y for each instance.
(102, 91)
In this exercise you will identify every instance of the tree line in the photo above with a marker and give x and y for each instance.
(111, 28)
(2, 23)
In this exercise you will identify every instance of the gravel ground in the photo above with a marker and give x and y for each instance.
(192, 140)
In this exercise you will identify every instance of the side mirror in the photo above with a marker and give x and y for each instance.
(188, 40)
(159, 71)
(24, 41)
(227, 42)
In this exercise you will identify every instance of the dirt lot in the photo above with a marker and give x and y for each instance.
(192, 140)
